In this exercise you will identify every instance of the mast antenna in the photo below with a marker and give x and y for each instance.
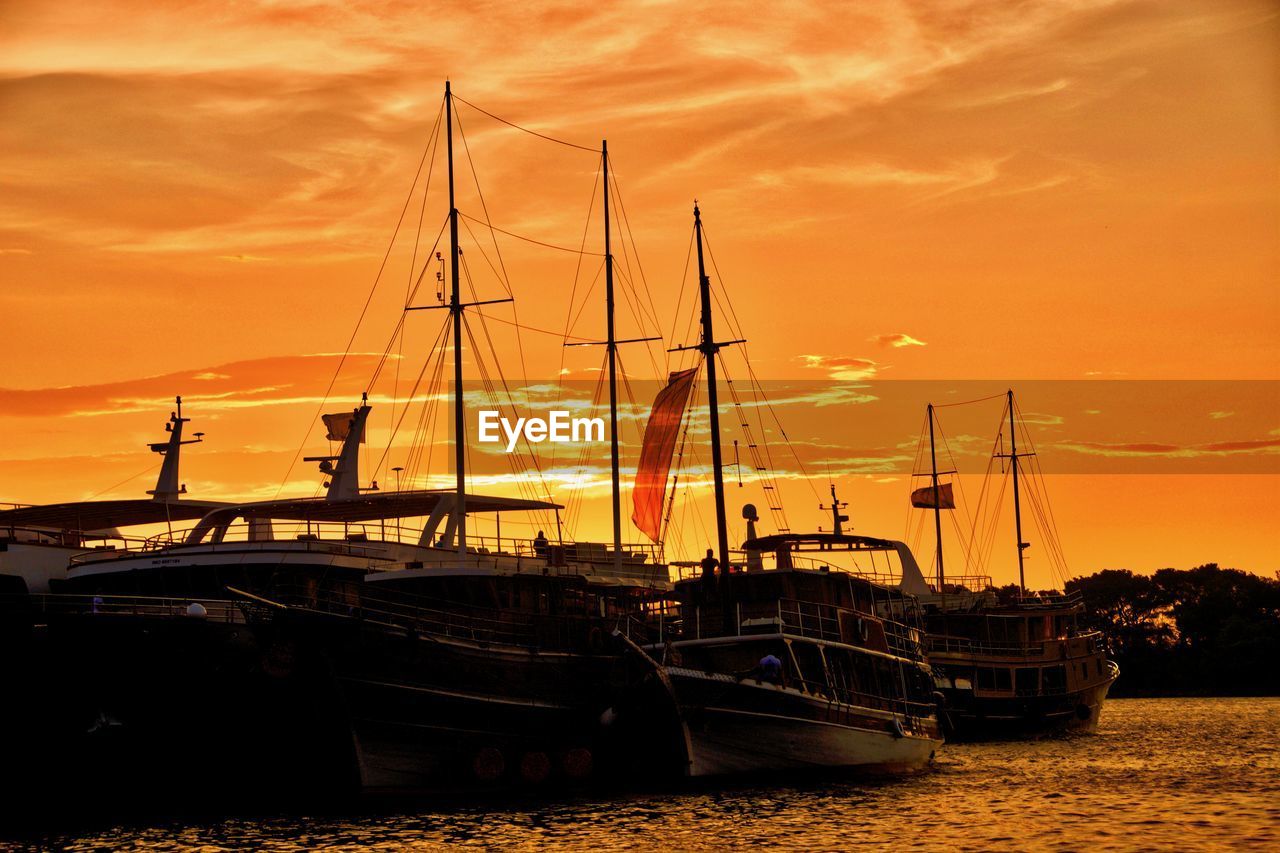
(168, 487)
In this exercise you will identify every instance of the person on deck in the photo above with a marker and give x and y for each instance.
(709, 565)
(540, 544)
(768, 669)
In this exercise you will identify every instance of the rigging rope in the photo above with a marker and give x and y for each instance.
(457, 97)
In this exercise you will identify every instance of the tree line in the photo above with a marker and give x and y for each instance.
(1206, 631)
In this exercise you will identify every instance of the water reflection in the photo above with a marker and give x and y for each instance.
(1182, 774)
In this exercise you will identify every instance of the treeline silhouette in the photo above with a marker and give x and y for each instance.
(1205, 631)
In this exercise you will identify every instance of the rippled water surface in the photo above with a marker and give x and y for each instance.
(1160, 773)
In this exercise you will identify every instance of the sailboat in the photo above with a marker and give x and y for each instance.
(446, 660)
(1011, 667)
(783, 659)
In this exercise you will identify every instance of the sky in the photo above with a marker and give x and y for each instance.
(936, 199)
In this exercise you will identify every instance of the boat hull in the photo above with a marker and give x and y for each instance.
(741, 728)
(438, 713)
(177, 711)
(969, 717)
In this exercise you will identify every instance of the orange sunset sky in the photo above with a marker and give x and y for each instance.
(196, 198)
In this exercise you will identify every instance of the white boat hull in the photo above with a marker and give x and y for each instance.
(783, 729)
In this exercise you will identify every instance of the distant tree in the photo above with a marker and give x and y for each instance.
(1206, 630)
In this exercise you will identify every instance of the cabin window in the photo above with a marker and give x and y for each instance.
(1055, 679)
(1098, 663)
(1028, 680)
(994, 679)
(811, 672)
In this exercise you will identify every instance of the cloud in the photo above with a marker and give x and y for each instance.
(1217, 416)
(1172, 451)
(243, 258)
(898, 339)
(242, 384)
(845, 368)
(1040, 419)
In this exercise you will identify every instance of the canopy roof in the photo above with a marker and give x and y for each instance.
(86, 516)
(818, 542)
(369, 506)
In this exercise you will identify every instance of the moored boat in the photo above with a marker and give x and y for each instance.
(778, 664)
(799, 666)
(1009, 662)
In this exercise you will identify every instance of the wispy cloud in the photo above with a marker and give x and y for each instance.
(897, 339)
(846, 368)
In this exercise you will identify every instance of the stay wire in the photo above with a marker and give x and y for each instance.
(457, 97)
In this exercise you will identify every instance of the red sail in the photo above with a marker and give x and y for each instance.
(660, 435)
(923, 498)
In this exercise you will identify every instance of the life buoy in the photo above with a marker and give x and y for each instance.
(896, 729)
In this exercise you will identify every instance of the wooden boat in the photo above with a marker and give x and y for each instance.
(1007, 665)
(852, 689)
(441, 659)
(787, 666)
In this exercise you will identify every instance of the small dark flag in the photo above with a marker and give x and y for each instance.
(923, 498)
(339, 426)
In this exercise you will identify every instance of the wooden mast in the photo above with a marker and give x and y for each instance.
(611, 347)
(455, 309)
(937, 497)
(709, 347)
(1017, 505)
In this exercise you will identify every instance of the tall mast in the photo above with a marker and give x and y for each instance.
(455, 309)
(709, 348)
(611, 345)
(937, 497)
(168, 487)
(1017, 506)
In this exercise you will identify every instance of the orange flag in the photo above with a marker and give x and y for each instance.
(660, 435)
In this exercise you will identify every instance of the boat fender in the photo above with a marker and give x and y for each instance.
(1083, 711)
(488, 764)
(535, 767)
(895, 728)
(577, 763)
(595, 641)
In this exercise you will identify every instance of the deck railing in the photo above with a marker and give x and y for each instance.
(690, 569)
(392, 542)
(964, 645)
(807, 619)
(40, 608)
(426, 616)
